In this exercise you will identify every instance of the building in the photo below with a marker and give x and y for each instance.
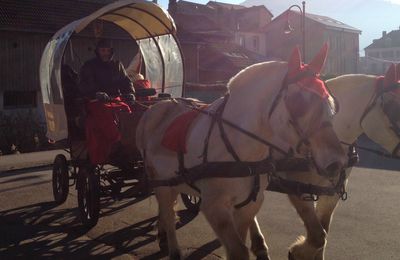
(25, 28)
(382, 52)
(219, 39)
(343, 40)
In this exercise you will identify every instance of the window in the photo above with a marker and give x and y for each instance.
(256, 43)
(241, 40)
(19, 99)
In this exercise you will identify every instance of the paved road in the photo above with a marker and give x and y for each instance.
(365, 227)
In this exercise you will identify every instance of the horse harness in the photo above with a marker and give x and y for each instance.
(238, 168)
(380, 90)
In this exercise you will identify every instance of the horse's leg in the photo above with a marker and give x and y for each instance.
(245, 220)
(166, 229)
(312, 246)
(218, 213)
(326, 205)
(258, 245)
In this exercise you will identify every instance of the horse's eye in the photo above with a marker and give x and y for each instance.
(297, 104)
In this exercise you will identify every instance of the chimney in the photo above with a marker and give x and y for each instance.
(383, 33)
(172, 7)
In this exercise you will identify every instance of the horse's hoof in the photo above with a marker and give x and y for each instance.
(162, 242)
(262, 257)
(290, 256)
(176, 255)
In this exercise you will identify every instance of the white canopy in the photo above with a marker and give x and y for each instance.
(147, 23)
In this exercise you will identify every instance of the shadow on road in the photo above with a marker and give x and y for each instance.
(44, 231)
(372, 160)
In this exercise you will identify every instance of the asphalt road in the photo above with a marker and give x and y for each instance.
(366, 226)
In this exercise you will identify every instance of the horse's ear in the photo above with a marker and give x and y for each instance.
(319, 60)
(294, 61)
(390, 76)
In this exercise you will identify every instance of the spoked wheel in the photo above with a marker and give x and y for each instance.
(192, 203)
(88, 195)
(60, 179)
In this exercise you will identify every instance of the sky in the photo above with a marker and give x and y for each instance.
(370, 16)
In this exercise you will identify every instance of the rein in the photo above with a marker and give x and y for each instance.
(377, 152)
(238, 168)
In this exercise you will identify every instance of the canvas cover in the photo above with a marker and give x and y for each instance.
(147, 23)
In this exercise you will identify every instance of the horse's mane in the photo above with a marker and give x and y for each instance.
(258, 73)
(354, 79)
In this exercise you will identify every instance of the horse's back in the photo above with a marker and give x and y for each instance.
(156, 120)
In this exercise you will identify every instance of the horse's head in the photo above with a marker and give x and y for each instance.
(310, 109)
(381, 120)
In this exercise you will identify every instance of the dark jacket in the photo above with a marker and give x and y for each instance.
(99, 76)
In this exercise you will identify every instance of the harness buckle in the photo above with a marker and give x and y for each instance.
(310, 197)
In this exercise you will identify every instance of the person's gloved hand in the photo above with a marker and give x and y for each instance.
(103, 97)
(129, 99)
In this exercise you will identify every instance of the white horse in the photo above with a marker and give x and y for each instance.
(276, 101)
(370, 105)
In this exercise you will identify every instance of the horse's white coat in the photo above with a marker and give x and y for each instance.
(354, 93)
(252, 93)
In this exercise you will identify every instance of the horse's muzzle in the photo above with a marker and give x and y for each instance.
(333, 169)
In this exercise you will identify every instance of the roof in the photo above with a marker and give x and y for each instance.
(388, 40)
(326, 21)
(43, 15)
(225, 5)
(263, 7)
(191, 8)
(332, 23)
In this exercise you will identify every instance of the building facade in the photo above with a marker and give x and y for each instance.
(219, 39)
(25, 28)
(381, 53)
(343, 40)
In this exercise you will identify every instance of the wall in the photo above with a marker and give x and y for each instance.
(343, 54)
(377, 60)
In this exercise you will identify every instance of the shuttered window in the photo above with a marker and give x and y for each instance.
(19, 99)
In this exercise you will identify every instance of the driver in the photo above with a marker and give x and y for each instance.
(103, 81)
(104, 75)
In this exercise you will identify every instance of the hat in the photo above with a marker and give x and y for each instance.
(103, 43)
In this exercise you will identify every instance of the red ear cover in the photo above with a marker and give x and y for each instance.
(318, 62)
(390, 77)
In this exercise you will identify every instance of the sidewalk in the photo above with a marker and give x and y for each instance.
(27, 160)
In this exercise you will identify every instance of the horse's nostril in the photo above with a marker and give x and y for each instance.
(333, 168)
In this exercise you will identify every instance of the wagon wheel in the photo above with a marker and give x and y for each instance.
(192, 203)
(60, 179)
(88, 186)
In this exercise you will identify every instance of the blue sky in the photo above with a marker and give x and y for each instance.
(370, 16)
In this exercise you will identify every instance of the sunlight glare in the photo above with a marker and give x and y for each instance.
(397, 2)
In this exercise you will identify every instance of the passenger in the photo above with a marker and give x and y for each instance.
(139, 82)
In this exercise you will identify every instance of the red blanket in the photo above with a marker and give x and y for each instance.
(175, 136)
(102, 128)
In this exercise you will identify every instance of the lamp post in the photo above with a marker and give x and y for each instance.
(289, 29)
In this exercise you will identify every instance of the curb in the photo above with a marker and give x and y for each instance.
(9, 163)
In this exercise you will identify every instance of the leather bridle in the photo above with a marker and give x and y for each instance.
(374, 100)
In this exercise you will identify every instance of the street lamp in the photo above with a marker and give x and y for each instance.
(289, 29)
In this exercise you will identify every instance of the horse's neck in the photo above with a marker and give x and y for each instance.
(248, 109)
(354, 94)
